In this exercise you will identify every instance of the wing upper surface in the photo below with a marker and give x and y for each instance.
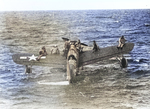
(89, 57)
(50, 60)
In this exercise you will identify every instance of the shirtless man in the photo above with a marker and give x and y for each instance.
(121, 42)
(78, 46)
(42, 52)
(55, 50)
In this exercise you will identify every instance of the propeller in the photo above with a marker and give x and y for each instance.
(66, 39)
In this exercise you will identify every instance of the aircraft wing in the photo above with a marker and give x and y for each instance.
(54, 60)
(89, 57)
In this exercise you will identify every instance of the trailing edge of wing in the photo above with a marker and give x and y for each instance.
(89, 57)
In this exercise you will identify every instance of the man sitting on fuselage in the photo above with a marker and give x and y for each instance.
(78, 46)
(55, 50)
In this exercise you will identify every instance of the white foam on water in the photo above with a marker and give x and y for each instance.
(142, 107)
(54, 83)
(147, 24)
(5, 104)
(137, 60)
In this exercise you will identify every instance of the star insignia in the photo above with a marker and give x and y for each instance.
(32, 58)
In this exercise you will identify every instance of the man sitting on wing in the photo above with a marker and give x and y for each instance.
(121, 42)
(42, 52)
(96, 47)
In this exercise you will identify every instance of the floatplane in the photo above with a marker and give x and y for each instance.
(73, 59)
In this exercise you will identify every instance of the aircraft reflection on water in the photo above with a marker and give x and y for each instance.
(74, 56)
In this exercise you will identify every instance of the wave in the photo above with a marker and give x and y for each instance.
(103, 17)
(147, 24)
(141, 72)
(133, 86)
(142, 60)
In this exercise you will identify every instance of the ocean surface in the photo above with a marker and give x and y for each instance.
(24, 32)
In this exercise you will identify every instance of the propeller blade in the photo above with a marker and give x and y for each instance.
(84, 44)
(65, 39)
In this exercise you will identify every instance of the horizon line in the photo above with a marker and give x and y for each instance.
(73, 9)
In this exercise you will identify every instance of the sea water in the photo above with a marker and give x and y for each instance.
(27, 31)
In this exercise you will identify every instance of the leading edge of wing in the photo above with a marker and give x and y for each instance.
(54, 60)
(89, 57)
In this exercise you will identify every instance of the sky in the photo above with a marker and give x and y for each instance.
(27, 5)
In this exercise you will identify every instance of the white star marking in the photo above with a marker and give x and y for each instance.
(32, 58)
